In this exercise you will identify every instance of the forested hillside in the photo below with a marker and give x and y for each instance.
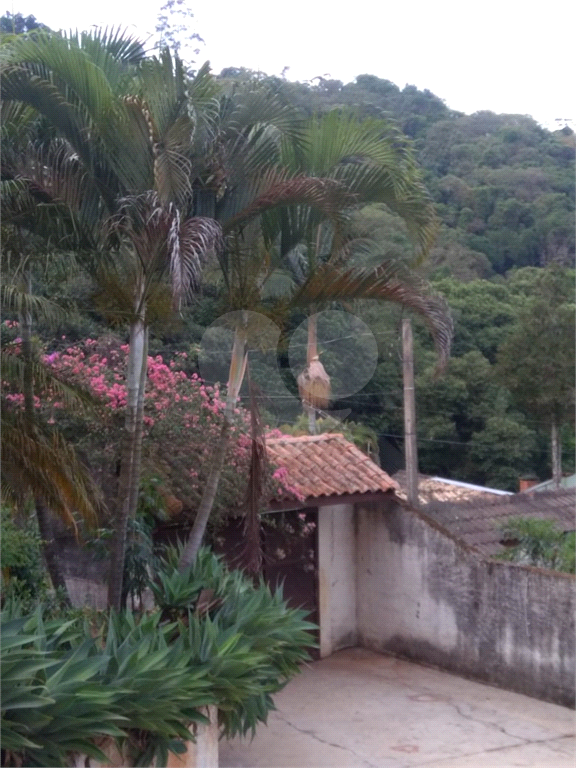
(503, 186)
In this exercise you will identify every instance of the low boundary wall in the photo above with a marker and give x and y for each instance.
(423, 595)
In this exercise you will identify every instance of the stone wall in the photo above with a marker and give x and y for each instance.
(424, 596)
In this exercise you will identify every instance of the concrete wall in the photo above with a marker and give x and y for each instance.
(336, 577)
(422, 595)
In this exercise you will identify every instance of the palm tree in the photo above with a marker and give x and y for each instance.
(37, 461)
(376, 164)
(360, 162)
(140, 162)
(125, 125)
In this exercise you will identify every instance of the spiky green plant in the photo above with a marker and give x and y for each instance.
(142, 680)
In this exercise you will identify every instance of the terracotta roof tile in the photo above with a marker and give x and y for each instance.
(326, 465)
(441, 489)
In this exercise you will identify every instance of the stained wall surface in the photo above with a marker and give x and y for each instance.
(422, 595)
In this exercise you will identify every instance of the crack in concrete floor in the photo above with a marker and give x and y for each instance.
(323, 741)
(521, 740)
(438, 761)
(484, 711)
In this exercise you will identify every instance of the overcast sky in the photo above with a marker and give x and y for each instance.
(501, 55)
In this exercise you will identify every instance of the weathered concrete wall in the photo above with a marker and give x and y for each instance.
(336, 578)
(422, 595)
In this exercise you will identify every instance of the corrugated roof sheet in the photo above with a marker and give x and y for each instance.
(479, 523)
(326, 465)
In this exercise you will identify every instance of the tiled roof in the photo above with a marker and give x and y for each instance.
(441, 489)
(326, 465)
(479, 522)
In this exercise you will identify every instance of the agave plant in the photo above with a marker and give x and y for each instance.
(251, 642)
(52, 700)
(142, 681)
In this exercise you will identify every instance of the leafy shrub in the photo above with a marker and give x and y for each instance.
(253, 641)
(141, 678)
(22, 570)
(540, 543)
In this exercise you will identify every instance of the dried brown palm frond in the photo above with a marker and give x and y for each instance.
(314, 385)
(162, 241)
(39, 462)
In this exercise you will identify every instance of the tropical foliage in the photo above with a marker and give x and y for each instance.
(533, 541)
(68, 682)
(150, 170)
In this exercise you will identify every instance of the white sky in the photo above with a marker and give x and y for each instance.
(508, 56)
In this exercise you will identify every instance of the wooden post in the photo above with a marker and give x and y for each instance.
(410, 447)
(556, 455)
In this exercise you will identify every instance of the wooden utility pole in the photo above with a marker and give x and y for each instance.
(556, 455)
(410, 448)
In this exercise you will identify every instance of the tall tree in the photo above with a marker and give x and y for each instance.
(537, 360)
(144, 177)
(376, 164)
(358, 163)
(126, 125)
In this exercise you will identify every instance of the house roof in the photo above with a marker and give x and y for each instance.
(479, 522)
(442, 489)
(326, 465)
(549, 485)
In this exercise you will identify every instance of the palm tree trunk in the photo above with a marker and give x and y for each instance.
(311, 353)
(135, 485)
(237, 371)
(43, 517)
(50, 550)
(556, 454)
(207, 503)
(130, 459)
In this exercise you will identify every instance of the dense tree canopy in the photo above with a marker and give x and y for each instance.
(503, 186)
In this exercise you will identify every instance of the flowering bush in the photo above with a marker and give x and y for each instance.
(182, 421)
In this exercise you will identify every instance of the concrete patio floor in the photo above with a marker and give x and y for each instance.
(358, 709)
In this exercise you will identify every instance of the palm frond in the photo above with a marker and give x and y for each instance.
(198, 238)
(42, 463)
(326, 195)
(21, 302)
(121, 45)
(374, 161)
(330, 283)
(57, 199)
(162, 241)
